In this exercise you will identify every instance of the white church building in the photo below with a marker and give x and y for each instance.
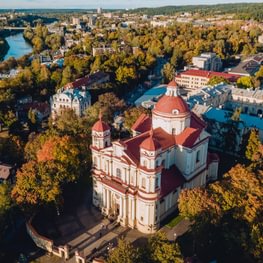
(137, 181)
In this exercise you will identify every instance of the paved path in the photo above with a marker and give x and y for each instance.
(181, 228)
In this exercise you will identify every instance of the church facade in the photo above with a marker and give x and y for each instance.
(137, 181)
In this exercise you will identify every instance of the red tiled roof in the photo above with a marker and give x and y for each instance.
(169, 103)
(150, 144)
(85, 81)
(209, 74)
(188, 137)
(196, 122)
(142, 124)
(170, 180)
(100, 126)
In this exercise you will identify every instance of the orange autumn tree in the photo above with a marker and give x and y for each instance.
(55, 162)
(36, 184)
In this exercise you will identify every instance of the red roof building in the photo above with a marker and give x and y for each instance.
(193, 79)
(138, 180)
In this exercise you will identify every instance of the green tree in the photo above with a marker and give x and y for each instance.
(124, 252)
(253, 145)
(5, 198)
(216, 80)
(125, 74)
(131, 115)
(163, 251)
(168, 72)
(245, 82)
(36, 184)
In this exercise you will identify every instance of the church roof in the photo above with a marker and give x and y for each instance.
(171, 179)
(150, 143)
(100, 125)
(187, 139)
(167, 104)
(142, 124)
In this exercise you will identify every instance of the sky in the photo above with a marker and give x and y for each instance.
(86, 4)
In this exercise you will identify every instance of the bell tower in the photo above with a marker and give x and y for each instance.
(101, 135)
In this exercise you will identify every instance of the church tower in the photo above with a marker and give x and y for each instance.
(101, 136)
(171, 112)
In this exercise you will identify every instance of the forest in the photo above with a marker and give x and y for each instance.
(240, 10)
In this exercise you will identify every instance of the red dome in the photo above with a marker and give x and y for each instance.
(167, 104)
(100, 126)
(150, 144)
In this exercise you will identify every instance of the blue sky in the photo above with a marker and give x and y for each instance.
(106, 3)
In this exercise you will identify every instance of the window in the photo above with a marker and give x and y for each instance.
(198, 156)
(173, 130)
(145, 163)
(118, 172)
(141, 218)
(143, 183)
(156, 182)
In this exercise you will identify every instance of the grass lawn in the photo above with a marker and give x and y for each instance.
(176, 220)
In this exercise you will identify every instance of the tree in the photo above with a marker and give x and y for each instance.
(124, 252)
(5, 198)
(245, 82)
(125, 74)
(131, 115)
(109, 104)
(67, 75)
(216, 80)
(36, 184)
(197, 204)
(168, 72)
(253, 145)
(229, 209)
(163, 251)
(32, 119)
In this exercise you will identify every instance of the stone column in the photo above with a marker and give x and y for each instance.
(108, 200)
(121, 207)
(104, 197)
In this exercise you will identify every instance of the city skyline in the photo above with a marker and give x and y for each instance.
(81, 4)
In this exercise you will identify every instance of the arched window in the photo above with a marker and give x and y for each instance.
(118, 172)
(143, 183)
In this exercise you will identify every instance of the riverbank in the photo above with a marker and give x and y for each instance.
(17, 46)
(4, 47)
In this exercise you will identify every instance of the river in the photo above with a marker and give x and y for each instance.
(18, 47)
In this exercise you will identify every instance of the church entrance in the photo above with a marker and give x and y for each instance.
(115, 208)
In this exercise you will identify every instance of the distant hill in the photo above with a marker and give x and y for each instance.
(241, 10)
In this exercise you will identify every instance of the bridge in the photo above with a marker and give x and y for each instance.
(14, 28)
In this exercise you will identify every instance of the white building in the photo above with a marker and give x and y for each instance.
(251, 101)
(65, 99)
(193, 79)
(208, 61)
(137, 181)
(215, 96)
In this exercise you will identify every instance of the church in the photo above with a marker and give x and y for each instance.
(137, 181)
